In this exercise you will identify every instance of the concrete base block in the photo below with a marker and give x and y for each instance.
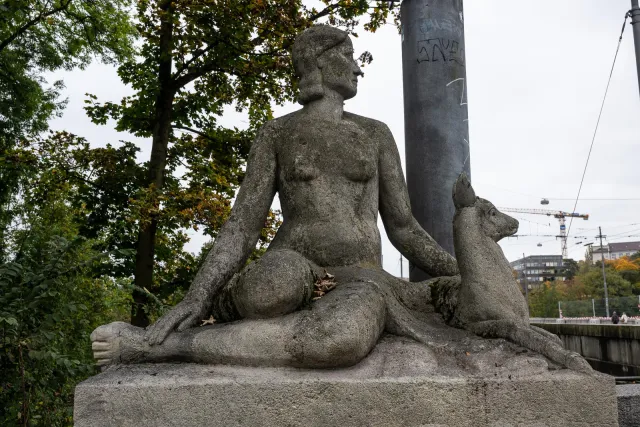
(392, 387)
(629, 405)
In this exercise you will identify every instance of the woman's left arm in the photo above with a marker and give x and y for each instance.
(404, 232)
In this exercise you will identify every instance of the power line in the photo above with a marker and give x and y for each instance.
(615, 226)
(542, 235)
(624, 23)
(621, 238)
(605, 199)
(521, 244)
(631, 231)
(532, 222)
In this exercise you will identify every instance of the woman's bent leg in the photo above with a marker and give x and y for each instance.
(278, 283)
(338, 330)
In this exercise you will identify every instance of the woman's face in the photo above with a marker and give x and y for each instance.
(339, 70)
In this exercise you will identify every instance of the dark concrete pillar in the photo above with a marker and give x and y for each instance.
(635, 21)
(435, 112)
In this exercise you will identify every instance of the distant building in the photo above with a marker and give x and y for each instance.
(537, 269)
(614, 251)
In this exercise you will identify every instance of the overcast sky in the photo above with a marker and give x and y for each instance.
(536, 75)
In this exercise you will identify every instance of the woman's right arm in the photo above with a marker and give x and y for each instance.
(234, 243)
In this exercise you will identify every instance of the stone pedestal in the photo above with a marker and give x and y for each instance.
(629, 405)
(397, 385)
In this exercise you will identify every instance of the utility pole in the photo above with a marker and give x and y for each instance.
(559, 310)
(526, 282)
(635, 22)
(604, 275)
(435, 113)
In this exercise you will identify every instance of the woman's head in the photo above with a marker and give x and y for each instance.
(323, 57)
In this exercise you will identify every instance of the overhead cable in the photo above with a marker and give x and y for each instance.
(624, 24)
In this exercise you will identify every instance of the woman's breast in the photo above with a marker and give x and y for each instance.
(300, 167)
(361, 166)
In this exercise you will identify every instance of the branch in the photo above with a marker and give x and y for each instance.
(194, 74)
(327, 10)
(195, 56)
(31, 23)
(197, 132)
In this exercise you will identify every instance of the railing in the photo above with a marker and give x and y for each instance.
(596, 308)
(632, 321)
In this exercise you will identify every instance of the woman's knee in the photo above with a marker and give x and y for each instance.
(344, 336)
(277, 284)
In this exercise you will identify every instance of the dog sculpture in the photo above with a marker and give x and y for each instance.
(489, 302)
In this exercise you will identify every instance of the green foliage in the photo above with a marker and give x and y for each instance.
(49, 305)
(222, 53)
(616, 284)
(543, 302)
(50, 301)
(575, 295)
(43, 35)
(46, 35)
(53, 290)
(570, 268)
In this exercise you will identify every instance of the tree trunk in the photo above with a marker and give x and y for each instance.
(161, 132)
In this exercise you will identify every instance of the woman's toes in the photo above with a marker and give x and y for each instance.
(101, 345)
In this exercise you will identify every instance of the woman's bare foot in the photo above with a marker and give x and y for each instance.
(118, 342)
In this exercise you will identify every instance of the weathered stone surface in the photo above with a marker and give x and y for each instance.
(397, 385)
(629, 405)
(334, 173)
(489, 302)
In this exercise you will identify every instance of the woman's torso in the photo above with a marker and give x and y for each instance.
(327, 180)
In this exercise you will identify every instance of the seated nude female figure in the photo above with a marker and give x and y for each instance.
(333, 171)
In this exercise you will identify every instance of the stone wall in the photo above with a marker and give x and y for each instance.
(613, 349)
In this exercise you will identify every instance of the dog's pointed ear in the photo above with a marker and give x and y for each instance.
(463, 194)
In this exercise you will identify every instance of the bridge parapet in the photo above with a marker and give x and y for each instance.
(612, 349)
(583, 320)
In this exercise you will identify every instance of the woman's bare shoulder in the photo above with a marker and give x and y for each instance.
(376, 127)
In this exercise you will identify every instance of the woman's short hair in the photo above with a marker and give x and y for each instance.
(308, 46)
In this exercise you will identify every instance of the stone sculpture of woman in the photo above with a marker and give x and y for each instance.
(334, 171)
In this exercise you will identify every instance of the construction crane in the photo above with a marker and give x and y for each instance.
(560, 215)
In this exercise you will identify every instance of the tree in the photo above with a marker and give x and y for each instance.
(617, 286)
(47, 35)
(198, 56)
(628, 268)
(543, 301)
(99, 182)
(50, 298)
(624, 264)
(569, 268)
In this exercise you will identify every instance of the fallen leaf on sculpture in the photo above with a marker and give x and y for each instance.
(323, 285)
(209, 321)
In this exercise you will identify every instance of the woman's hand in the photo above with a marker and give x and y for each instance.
(185, 314)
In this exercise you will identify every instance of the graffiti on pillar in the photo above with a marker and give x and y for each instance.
(463, 101)
(428, 26)
(440, 50)
(463, 91)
